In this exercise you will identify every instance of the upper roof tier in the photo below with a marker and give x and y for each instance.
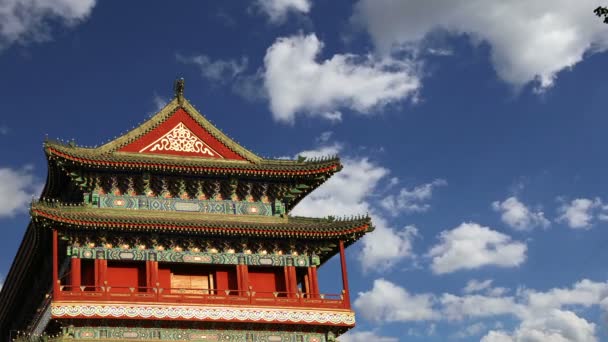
(178, 139)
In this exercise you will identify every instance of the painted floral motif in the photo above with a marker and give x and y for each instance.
(180, 139)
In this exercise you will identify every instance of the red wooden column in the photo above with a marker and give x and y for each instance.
(76, 278)
(242, 276)
(314, 281)
(55, 264)
(151, 274)
(101, 266)
(344, 276)
(287, 281)
(291, 282)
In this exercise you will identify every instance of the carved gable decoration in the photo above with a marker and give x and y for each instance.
(181, 135)
(181, 139)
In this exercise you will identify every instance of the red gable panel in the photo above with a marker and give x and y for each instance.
(181, 135)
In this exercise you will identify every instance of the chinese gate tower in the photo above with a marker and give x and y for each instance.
(174, 232)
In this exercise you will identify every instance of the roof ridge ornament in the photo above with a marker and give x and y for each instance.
(178, 88)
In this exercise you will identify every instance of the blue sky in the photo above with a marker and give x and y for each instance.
(473, 133)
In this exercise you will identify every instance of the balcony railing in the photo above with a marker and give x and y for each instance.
(199, 296)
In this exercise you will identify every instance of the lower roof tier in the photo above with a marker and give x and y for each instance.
(81, 217)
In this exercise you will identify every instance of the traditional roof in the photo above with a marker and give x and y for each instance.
(82, 217)
(179, 139)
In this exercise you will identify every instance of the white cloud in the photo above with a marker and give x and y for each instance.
(216, 70)
(471, 246)
(387, 302)
(365, 336)
(277, 10)
(471, 330)
(335, 115)
(159, 103)
(529, 40)
(603, 215)
(555, 326)
(347, 193)
(517, 216)
(579, 213)
(324, 137)
(497, 336)
(475, 285)
(297, 83)
(386, 246)
(17, 187)
(541, 316)
(412, 200)
(477, 306)
(22, 21)
(584, 292)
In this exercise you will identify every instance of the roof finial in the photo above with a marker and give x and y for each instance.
(178, 88)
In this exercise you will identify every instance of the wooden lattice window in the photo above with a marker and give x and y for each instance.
(192, 283)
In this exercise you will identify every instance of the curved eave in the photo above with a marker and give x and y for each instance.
(199, 224)
(192, 165)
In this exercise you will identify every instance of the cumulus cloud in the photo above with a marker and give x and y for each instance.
(23, 21)
(580, 212)
(347, 193)
(277, 10)
(471, 246)
(412, 200)
(386, 246)
(17, 187)
(365, 336)
(471, 330)
(215, 70)
(584, 293)
(541, 316)
(555, 326)
(387, 302)
(475, 285)
(296, 81)
(458, 308)
(530, 41)
(518, 216)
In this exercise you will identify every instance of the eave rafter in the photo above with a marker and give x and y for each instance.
(80, 217)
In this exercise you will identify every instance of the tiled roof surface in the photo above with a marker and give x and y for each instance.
(197, 223)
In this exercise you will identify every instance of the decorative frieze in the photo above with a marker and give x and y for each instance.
(186, 205)
(192, 257)
(169, 334)
(202, 313)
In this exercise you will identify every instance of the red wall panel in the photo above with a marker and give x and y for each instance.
(122, 275)
(164, 276)
(87, 273)
(266, 280)
(225, 279)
